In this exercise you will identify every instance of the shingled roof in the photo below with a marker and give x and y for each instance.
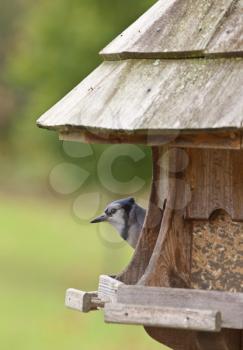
(177, 68)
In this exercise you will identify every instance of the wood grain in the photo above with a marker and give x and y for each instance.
(212, 140)
(80, 301)
(229, 304)
(228, 39)
(155, 316)
(215, 178)
(171, 95)
(174, 28)
(107, 290)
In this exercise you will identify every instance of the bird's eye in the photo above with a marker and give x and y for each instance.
(113, 211)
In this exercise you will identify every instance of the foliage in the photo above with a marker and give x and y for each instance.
(55, 44)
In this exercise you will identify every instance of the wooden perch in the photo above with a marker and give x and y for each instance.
(229, 304)
(154, 316)
(82, 301)
(87, 301)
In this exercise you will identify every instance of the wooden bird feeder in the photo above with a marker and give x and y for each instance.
(173, 81)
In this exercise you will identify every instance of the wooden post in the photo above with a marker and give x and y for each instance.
(150, 231)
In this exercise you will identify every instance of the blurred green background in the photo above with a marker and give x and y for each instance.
(49, 190)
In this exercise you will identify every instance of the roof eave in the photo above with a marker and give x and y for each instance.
(221, 138)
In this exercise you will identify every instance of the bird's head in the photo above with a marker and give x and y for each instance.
(117, 213)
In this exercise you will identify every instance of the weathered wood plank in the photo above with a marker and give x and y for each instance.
(215, 177)
(81, 301)
(228, 39)
(192, 319)
(108, 287)
(171, 95)
(174, 28)
(105, 137)
(212, 140)
(229, 304)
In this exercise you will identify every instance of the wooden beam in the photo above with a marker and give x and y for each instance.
(111, 137)
(82, 301)
(199, 139)
(154, 316)
(229, 304)
(215, 140)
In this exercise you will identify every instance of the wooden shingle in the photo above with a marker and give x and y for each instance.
(149, 95)
(180, 28)
(228, 39)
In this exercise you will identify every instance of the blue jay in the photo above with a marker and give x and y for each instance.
(126, 216)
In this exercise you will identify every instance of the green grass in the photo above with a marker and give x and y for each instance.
(44, 251)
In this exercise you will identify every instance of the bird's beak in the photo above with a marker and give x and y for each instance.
(100, 218)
